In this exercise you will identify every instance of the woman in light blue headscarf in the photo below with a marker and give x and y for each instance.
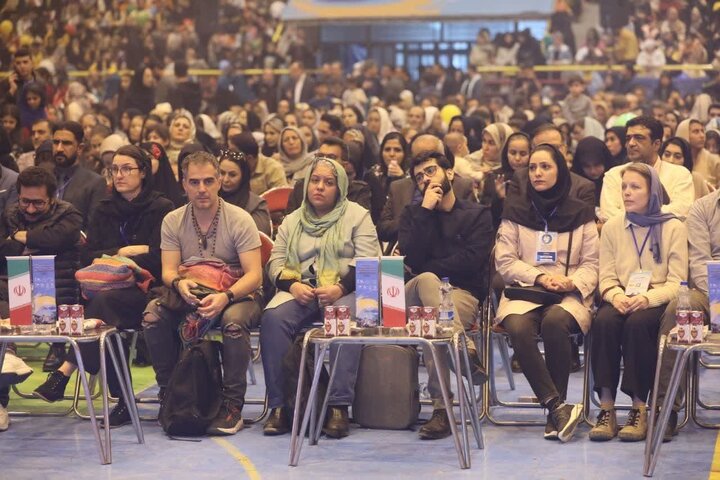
(643, 259)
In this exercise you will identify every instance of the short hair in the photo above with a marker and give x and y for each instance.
(22, 52)
(575, 79)
(655, 127)
(338, 142)
(100, 129)
(73, 127)
(160, 129)
(246, 143)
(37, 177)
(332, 120)
(423, 157)
(51, 125)
(545, 127)
(200, 158)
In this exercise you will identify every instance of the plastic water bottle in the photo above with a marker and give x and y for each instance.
(447, 308)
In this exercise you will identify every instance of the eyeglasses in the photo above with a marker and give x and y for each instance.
(426, 172)
(38, 204)
(125, 170)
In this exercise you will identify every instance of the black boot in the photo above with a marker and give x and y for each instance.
(54, 387)
(337, 423)
(437, 427)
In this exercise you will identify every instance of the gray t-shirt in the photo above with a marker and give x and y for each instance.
(236, 233)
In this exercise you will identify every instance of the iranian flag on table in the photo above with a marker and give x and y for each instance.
(19, 290)
(392, 281)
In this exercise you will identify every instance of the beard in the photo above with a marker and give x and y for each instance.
(445, 185)
(63, 161)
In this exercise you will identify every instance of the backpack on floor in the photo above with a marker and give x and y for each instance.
(193, 395)
(387, 393)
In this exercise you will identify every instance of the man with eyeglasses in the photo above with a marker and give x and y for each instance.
(445, 236)
(207, 227)
(40, 224)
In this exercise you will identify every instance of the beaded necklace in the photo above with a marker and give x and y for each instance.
(211, 232)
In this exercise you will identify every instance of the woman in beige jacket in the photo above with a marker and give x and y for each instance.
(547, 238)
(643, 258)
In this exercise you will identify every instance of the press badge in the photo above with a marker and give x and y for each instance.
(546, 248)
(638, 283)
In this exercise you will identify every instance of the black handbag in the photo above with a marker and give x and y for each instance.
(536, 293)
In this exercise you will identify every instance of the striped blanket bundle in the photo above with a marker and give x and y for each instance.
(110, 273)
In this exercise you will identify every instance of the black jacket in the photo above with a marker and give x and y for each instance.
(57, 233)
(109, 230)
(454, 244)
(83, 189)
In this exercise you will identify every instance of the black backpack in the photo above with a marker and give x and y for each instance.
(194, 392)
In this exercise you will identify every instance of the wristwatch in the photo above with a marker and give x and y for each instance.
(230, 295)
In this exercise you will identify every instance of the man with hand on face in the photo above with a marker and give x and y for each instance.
(22, 73)
(445, 236)
(75, 184)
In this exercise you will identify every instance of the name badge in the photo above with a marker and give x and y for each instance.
(638, 283)
(546, 248)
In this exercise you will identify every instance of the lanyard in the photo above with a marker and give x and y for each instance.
(545, 220)
(123, 234)
(638, 249)
(60, 192)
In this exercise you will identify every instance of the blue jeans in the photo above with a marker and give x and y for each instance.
(280, 326)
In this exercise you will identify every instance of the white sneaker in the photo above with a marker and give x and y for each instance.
(14, 370)
(4, 419)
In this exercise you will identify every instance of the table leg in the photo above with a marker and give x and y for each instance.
(105, 394)
(448, 403)
(651, 455)
(294, 438)
(474, 416)
(123, 375)
(653, 399)
(319, 420)
(104, 460)
(309, 408)
(462, 399)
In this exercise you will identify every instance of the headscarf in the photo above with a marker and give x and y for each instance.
(386, 126)
(329, 229)
(147, 193)
(370, 148)
(164, 179)
(208, 126)
(139, 96)
(277, 124)
(619, 132)
(182, 113)
(683, 128)
(500, 132)
(532, 209)
(430, 113)
(654, 214)
(28, 115)
(700, 108)
(293, 166)
(505, 166)
(241, 195)
(595, 150)
(593, 128)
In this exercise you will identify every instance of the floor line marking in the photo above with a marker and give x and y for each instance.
(250, 469)
(715, 466)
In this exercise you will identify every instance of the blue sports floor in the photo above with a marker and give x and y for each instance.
(36, 447)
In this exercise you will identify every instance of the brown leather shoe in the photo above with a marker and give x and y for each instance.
(337, 423)
(277, 423)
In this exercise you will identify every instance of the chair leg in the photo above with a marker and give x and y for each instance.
(505, 356)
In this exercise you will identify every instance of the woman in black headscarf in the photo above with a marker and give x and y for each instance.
(592, 159)
(141, 94)
(164, 180)
(615, 139)
(548, 239)
(127, 223)
(235, 189)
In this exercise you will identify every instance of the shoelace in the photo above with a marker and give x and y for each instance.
(603, 419)
(633, 418)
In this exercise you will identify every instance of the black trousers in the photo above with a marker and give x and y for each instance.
(631, 337)
(548, 377)
(121, 308)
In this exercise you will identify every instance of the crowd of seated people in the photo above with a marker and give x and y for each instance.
(578, 206)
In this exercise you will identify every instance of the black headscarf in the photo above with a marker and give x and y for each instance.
(620, 132)
(139, 96)
(164, 179)
(530, 208)
(240, 196)
(129, 209)
(592, 150)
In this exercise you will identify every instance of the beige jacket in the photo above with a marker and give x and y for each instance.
(515, 262)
